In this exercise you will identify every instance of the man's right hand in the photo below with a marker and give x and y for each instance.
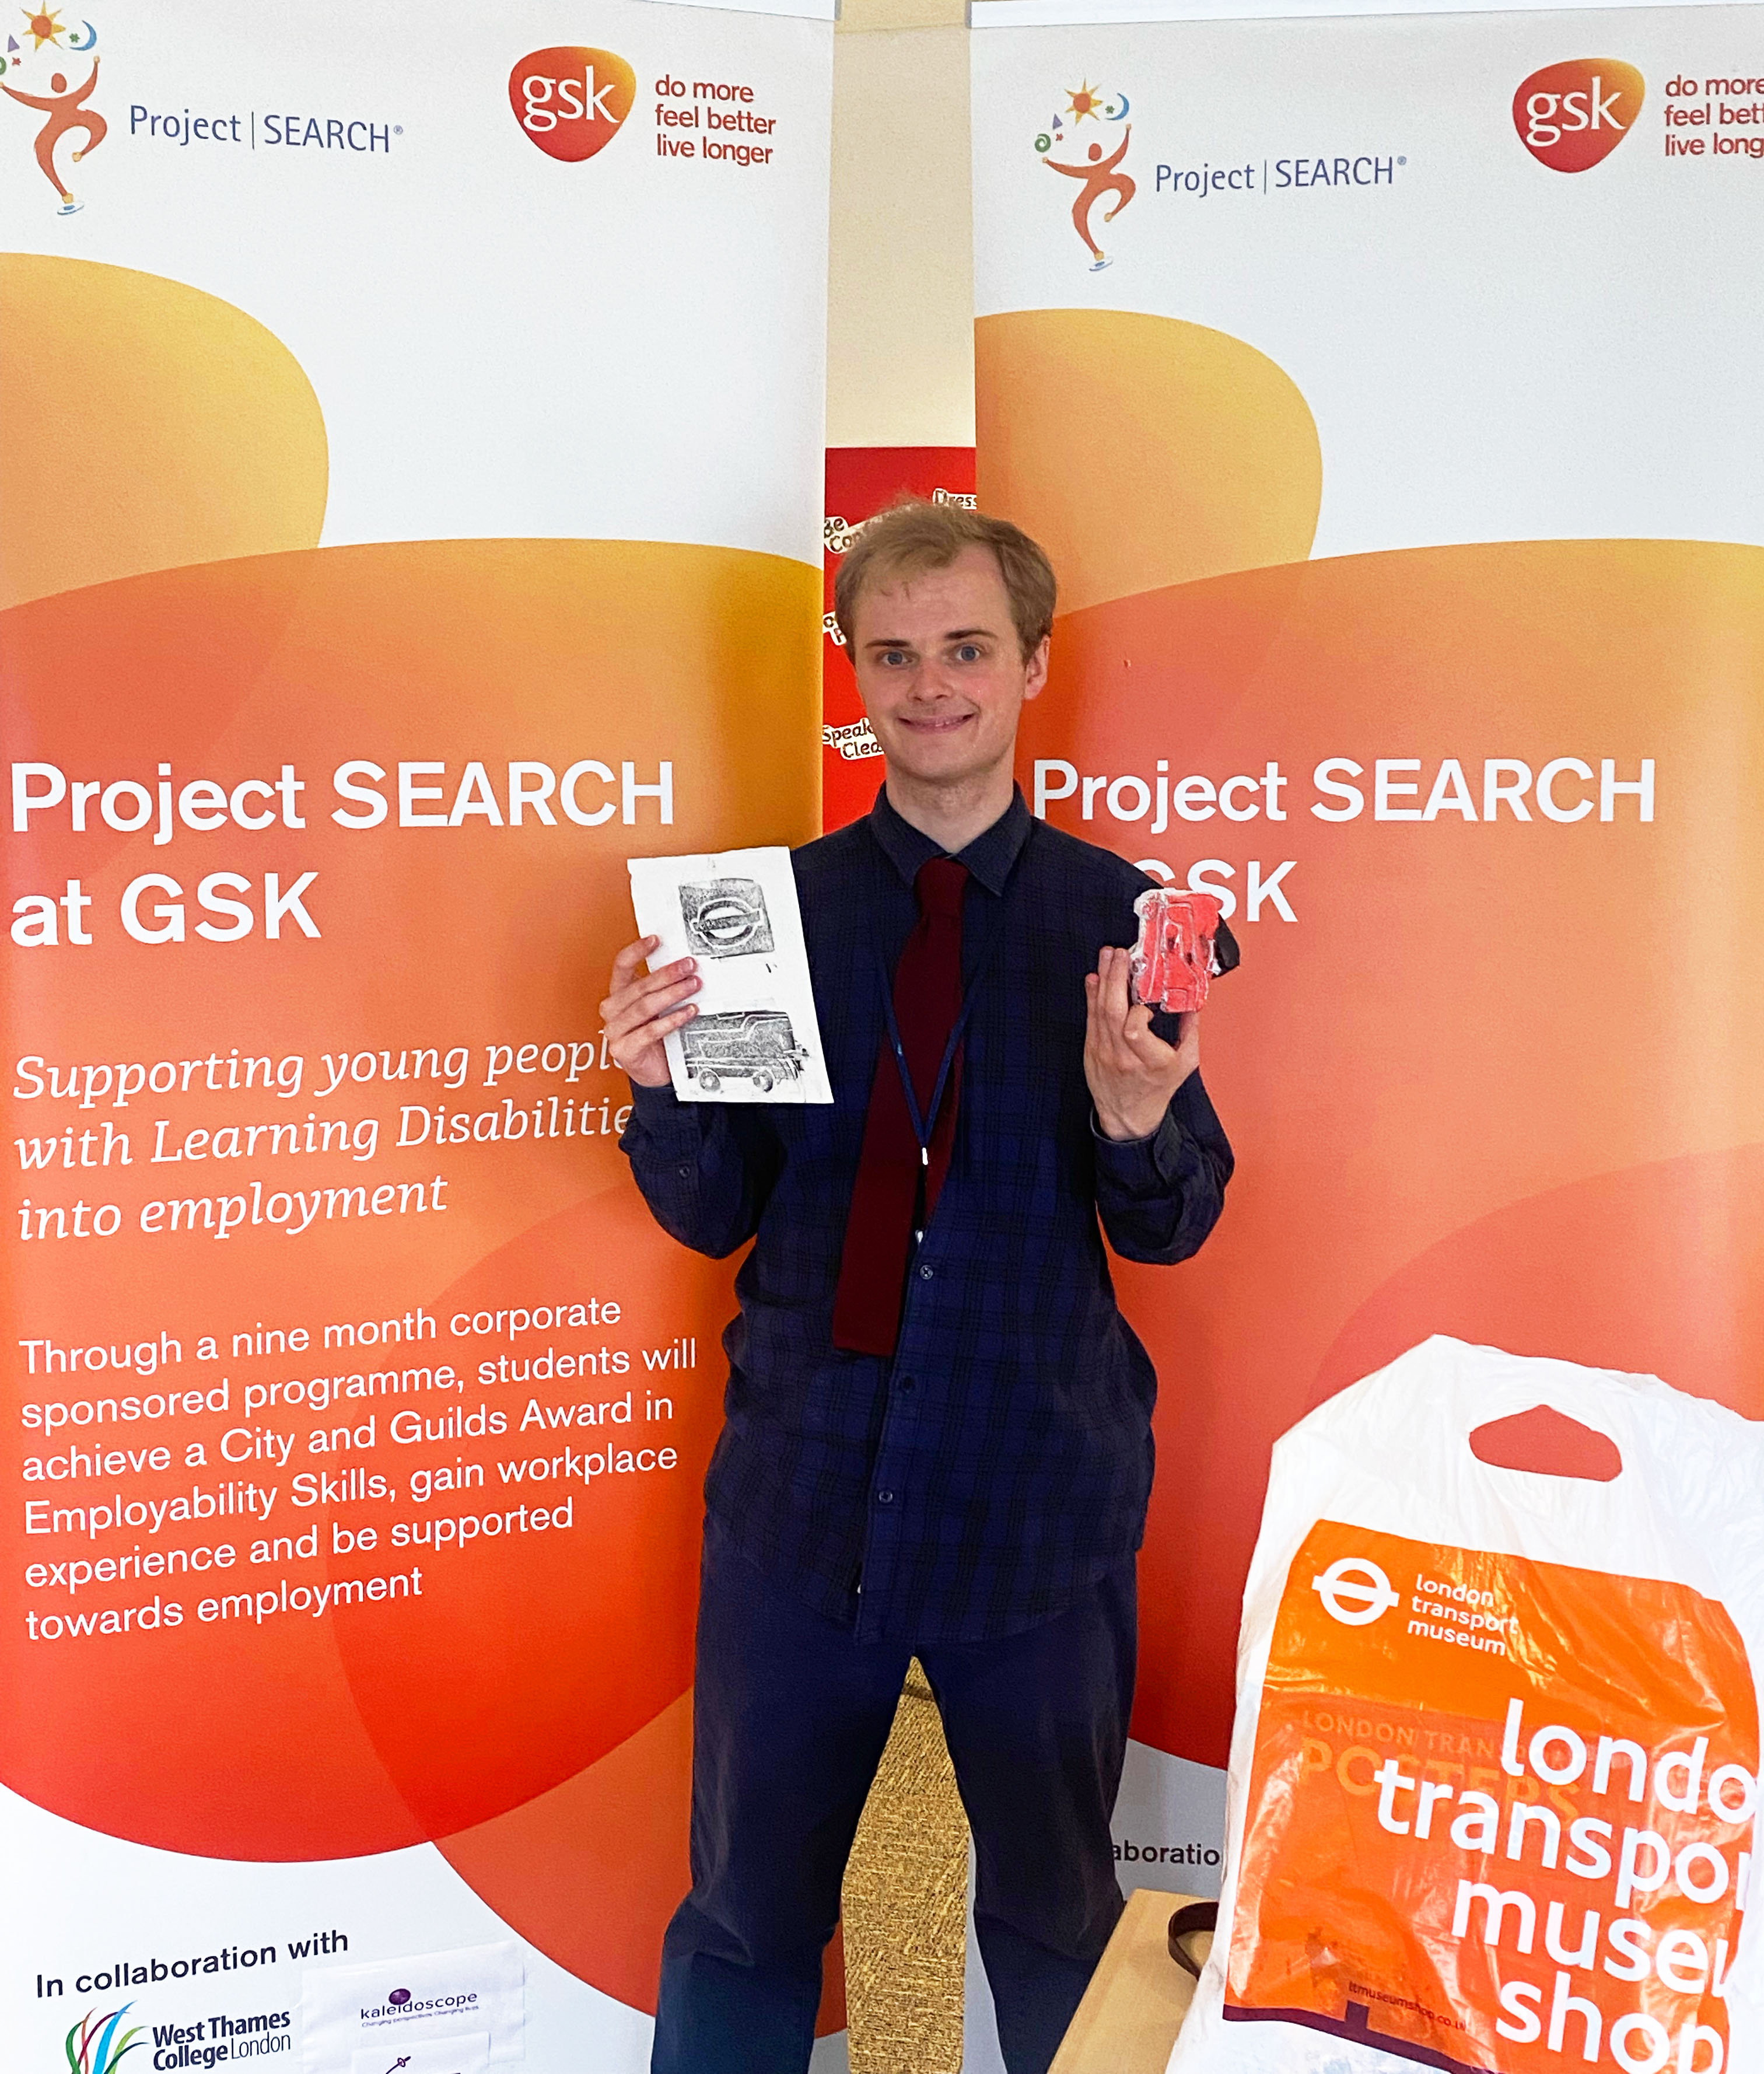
(644, 1008)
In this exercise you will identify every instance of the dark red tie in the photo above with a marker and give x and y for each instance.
(884, 1197)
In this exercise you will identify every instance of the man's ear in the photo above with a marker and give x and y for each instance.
(1034, 670)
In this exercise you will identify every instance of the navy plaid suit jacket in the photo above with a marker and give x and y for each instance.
(1001, 1463)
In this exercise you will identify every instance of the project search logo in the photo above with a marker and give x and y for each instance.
(1099, 155)
(571, 100)
(1354, 1591)
(50, 88)
(1571, 115)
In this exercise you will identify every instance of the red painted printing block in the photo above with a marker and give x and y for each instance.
(1173, 960)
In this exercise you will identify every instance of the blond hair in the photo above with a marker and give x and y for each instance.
(913, 536)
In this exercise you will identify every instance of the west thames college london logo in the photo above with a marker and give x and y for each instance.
(40, 83)
(93, 2046)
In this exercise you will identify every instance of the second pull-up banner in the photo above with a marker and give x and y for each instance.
(1383, 387)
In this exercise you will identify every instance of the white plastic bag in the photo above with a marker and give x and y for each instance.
(1493, 1773)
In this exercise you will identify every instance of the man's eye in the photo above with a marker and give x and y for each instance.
(893, 658)
(969, 651)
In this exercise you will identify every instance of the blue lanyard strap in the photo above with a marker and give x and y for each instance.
(924, 1127)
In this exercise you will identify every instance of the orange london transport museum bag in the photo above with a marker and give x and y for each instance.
(1494, 1772)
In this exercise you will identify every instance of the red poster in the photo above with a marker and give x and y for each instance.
(860, 481)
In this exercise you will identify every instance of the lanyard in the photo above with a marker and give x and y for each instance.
(923, 1124)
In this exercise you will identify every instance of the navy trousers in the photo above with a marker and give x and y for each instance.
(791, 1714)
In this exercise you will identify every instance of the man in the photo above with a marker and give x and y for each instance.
(938, 1425)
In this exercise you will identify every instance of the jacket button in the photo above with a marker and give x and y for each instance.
(885, 1497)
(924, 1275)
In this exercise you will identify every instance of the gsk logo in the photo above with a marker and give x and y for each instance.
(571, 100)
(1570, 116)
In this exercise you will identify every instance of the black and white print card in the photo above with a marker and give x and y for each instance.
(755, 1037)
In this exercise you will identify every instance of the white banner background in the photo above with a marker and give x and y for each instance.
(500, 345)
(1491, 351)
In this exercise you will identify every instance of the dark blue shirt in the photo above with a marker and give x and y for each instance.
(1001, 1462)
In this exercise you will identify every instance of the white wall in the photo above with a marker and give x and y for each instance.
(900, 327)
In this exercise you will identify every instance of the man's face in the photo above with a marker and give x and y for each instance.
(941, 672)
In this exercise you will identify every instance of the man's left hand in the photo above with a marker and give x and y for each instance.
(1132, 1073)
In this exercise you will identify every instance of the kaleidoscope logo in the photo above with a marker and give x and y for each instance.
(94, 2047)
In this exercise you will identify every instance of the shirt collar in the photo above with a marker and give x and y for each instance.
(988, 857)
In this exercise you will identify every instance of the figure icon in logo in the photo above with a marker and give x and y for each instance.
(1100, 178)
(62, 107)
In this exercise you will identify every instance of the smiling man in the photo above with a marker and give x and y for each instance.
(938, 1431)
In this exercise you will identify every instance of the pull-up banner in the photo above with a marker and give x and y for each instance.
(410, 508)
(1383, 387)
